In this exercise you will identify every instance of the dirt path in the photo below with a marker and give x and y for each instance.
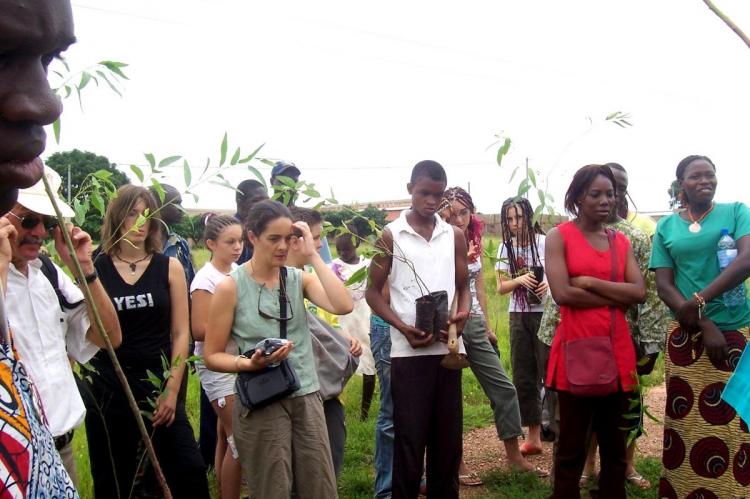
(483, 451)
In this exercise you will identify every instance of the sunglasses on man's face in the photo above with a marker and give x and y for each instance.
(31, 221)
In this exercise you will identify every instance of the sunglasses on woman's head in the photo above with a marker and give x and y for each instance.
(31, 221)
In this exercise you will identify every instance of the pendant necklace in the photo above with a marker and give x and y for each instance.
(695, 227)
(133, 263)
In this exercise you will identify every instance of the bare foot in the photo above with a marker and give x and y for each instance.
(520, 464)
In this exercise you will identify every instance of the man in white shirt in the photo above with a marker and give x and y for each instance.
(422, 254)
(47, 328)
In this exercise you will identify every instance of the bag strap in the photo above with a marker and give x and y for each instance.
(283, 300)
(613, 278)
(50, 272)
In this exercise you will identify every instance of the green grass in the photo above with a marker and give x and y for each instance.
(357, 475)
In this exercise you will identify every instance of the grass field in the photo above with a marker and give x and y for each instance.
(357, 476)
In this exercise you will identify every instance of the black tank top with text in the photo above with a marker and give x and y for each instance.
(144, 310)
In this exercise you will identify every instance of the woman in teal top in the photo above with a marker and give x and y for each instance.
(284, 444)
(706, 444)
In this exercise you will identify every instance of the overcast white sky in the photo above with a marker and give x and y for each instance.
(356, 93)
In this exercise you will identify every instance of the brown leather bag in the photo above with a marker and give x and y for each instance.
(590, 362)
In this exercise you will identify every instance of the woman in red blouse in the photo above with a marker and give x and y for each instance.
(580, 270)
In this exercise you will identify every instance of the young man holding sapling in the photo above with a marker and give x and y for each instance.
(426, 396)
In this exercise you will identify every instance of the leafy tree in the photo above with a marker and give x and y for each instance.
(190, 227)
(359, 220)
(82, 164)
(91, 176)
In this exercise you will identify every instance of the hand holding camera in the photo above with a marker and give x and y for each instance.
(269, 353)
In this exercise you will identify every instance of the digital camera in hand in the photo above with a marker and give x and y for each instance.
(270, 345)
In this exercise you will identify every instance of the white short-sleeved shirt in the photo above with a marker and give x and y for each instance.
(523, 259)
(45, 335)
(206, 279)
(434, 262)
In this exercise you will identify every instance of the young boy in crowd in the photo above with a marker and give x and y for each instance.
(420, 253)
(357, 323)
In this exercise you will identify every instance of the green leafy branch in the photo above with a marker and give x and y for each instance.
(529, 182)
(110, 72)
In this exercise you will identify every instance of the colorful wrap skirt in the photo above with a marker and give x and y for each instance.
(706, 449)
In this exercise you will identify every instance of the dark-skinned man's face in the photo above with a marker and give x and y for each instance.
(32, 34)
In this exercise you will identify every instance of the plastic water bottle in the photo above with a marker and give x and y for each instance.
(726, 250)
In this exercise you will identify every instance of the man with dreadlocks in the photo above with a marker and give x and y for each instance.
(520, 257)
(457, 208)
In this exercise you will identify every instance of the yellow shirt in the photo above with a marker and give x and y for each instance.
(646, 224)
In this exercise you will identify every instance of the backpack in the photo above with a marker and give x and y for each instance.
(50, 272)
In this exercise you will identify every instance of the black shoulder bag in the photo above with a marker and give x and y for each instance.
(258, 389)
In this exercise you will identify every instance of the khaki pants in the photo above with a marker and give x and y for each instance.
(69, 462)
(285, 444)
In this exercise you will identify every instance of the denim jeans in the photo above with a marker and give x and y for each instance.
(380, 342)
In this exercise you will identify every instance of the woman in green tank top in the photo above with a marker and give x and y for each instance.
(246, 306)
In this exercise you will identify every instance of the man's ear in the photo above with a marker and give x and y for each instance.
(409, 188)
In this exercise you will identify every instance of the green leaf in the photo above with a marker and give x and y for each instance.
(159, 190)
(56, 129)
(85, 79)
(168, 161)
(67, 91)
(147, 414)
(258, 175)
(111, 85)
(138, 172)
(115, 67)
(512, 175)
(311, 192)
(523, 187)
(187, 173)
(541, 195)
(502, 151)
(151, 160)
(98, 202)
(537, 213)
(252, 155)
(80, 210)
(357, 277)
(235, 157)
(164, 363)
(532, 176)
(648, 414)
(103, 174)
(223, 150)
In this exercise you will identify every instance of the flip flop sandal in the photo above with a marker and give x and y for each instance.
(541, 472)
(528, 450)
(470, 480)
(637, 480)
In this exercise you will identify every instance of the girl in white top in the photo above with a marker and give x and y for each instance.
(223, 236)
(521, 250)
(357, 323)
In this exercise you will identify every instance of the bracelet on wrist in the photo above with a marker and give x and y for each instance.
(89, 278)
(701, 303)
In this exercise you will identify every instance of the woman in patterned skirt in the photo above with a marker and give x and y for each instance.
(706, 444)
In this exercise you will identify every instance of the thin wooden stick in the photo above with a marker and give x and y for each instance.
(728, 22)
(110, 349)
